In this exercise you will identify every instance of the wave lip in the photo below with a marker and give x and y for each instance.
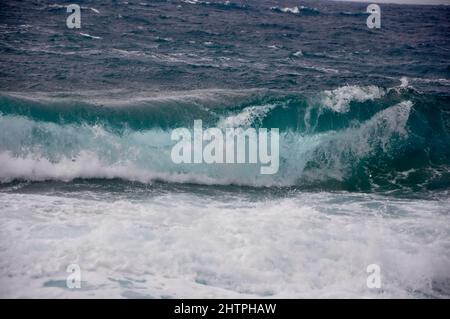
(339, 99)
(247, 116)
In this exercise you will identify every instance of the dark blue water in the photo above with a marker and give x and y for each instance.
(316, 71)
(174, 45)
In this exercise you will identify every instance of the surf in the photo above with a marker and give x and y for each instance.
(350, 137)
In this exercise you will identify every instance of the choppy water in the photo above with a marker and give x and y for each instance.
(86, 174)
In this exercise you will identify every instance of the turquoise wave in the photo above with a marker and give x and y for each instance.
(352, 138)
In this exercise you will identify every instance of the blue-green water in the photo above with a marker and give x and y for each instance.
(86, 175)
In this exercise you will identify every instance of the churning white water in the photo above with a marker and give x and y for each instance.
(226, 244)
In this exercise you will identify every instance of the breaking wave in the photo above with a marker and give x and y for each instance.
(353, 138)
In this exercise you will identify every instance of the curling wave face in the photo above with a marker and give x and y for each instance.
(353, 138)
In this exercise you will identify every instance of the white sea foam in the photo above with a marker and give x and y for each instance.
(339, 99)
(247, 116)
(89, 36)
(190, 1)
(404, 82)
(183, 245)
(294, 10)
(195, 2)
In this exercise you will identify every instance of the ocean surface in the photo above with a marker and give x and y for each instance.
(86, 175)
